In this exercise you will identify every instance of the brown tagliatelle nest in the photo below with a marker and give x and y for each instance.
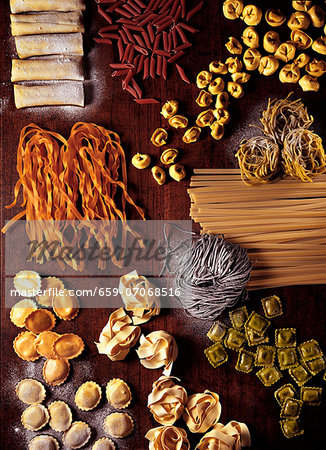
(259, 159)
(284, 115)
(303, 154)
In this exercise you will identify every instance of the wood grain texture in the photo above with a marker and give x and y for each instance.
(243, 397)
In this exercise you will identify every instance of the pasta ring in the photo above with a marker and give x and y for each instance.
(308, 83)
(275, 17)
(232, 9)
(251, 58)
(234, 46)
(204, 99)
(159, 175)
(302, 60)
(271, 41)
(316, 68)
(268, 65)
(169, 108)
(251, 15)
(290, 73)
(317, 16)
(319, 45)
(250, 37)
(141, 161)
(301, 40)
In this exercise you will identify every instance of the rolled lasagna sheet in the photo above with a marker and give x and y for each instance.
(47, 69)
(56, 22)
(49, 44)
(56, 94)
(19, 6)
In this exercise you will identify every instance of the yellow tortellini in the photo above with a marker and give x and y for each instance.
(271, 41)
(251, 58)
(250, 37)
(232, 9)
(275, 17)
(290, 73)
(234, 46)
(308, 83)
(141, 161)
(268, 65)
(251, 15)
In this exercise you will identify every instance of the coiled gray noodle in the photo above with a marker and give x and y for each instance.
(211, 274)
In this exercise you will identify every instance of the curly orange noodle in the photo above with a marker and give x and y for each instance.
(55, 173)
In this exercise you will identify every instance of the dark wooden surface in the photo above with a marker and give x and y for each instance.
(243, 397)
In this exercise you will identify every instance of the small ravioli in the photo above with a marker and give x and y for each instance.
(68, 346)
(27, 282)
(43, 442)
(60, 416)
(77, 436)
(24, 346)
(51, 287)
(104, 444)
(65, 306)
(56, 371)
(30, 391)
(118, 425)
(44, 343)
(88, 396)
(118, 393)
(40, 320)
(35, 417)
(21, 310)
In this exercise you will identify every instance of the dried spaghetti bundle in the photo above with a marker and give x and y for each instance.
(303, 154)
(284, 115)
(259, 159)
(56, 175)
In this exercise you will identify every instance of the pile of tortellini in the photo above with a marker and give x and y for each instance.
(291, 52)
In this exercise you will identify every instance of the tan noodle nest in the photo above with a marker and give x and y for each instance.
(303, 155)
(259, 159)
(167, 400)
(284, 115)
(234, 435)
(167, 438)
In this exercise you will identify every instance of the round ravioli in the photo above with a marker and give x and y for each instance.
(56, 371)
(77, 436)
(30, 391)
(44, 343)
(43, 442)
(35, 417)
(88, 396)
(68, 346)
(21, 310)
(40, 320)
(24, 346)
(27, 282)
(104, 444)
(60, 416)
(51, 287)
(118, 425)
(118, 393)
(65, 306)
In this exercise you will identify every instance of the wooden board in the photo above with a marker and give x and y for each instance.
(243, 397)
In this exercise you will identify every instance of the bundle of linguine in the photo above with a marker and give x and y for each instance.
(283, 224)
